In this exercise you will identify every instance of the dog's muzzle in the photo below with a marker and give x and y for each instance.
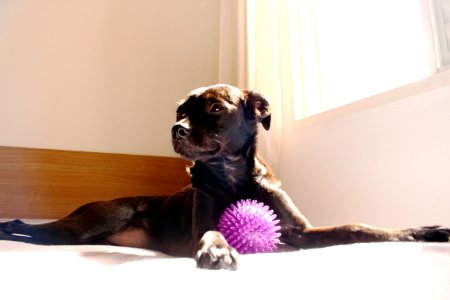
(193, 146)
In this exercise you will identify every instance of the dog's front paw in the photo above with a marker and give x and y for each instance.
(216, 258)
(431, 234)
(214, 253)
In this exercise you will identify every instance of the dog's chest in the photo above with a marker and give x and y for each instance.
(233, 174)
(228, 175)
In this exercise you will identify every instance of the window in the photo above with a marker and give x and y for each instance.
(350, 49)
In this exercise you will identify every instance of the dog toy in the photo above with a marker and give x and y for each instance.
(250, 227)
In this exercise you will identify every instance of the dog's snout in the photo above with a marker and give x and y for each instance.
(179, 132)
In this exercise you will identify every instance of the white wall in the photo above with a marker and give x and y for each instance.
(102, 75)
(385, 162)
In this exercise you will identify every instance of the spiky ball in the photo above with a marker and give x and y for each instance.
(250, 227)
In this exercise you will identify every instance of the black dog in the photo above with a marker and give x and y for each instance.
(216, 128)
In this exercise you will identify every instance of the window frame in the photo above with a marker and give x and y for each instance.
(441, 40)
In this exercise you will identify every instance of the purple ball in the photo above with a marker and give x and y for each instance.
(250, 227)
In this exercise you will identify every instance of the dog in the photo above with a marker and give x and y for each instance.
(216, 128)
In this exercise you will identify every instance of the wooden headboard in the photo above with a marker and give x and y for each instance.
(39, 183)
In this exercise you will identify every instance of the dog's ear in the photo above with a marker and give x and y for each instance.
(257, 107)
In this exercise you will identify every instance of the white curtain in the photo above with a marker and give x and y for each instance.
(272, 64)
(259, 50)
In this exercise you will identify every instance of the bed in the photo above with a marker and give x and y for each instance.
(39, 184)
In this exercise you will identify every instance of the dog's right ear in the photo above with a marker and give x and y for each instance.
(257, 107)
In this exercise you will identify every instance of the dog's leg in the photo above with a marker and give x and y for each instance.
(297, 232)
(212, 251)
(315, 237)
(90, 223)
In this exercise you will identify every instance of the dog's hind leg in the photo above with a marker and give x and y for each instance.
(89, 223)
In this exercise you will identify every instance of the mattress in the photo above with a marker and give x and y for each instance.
(359, 271)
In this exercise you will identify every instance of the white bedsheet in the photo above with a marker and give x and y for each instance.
(361, 271)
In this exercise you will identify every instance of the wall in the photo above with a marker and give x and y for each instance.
(102, 75)
(385, 162)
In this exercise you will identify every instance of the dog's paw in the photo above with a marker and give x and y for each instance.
(10, 224)
(216, 258)
(6, 229)
(431, 234)
(215, 253)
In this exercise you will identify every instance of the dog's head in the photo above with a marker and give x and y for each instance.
(218, 120)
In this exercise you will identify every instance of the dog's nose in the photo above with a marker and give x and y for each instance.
(179, 132)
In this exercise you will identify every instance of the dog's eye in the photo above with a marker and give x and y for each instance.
(181, 115)
(216, 107)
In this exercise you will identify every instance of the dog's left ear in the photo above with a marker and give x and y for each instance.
(257, 107)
